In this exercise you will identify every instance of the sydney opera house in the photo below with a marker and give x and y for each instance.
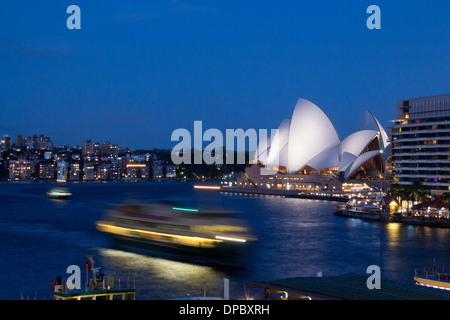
(306, 152)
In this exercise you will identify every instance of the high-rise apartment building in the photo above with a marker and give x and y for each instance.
(89, 171)
(74, 171)
(421, 142)
(90, 148)
(19, 170)
(5, 143)
(43, 143)
(20, 141)
(47, 171)
(62, 168)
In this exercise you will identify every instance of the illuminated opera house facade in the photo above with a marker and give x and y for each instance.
(306, 153)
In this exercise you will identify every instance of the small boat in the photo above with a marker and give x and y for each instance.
(433, 278)
(98, 287)
(177, 230)
(59, 192)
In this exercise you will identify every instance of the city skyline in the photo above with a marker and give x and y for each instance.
(137, 71)
(37, 158)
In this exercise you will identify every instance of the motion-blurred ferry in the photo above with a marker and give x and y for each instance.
(176, 228)
(59, 192)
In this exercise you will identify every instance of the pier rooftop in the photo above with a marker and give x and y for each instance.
(349, 286)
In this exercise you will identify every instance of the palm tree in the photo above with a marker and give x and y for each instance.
(420, 192)
(446, 198)
(394, 191)
(407, 194)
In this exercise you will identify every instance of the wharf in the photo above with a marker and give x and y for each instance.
(386, 217)
(364, 215)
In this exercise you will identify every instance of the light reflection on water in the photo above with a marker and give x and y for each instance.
(172, 278)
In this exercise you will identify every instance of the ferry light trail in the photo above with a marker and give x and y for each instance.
(187, 240)
(184, 209)
(230, 239)
(132, 232)
(206, 187)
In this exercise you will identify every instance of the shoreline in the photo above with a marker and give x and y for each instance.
(385, 217)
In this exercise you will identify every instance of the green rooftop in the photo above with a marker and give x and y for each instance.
(349, 286)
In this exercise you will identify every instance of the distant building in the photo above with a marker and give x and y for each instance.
(114, 150)
(89, 171)
(157, 169)
(43, 143)
(31, 144)
(62, 155)
(90, 148)
(62, 169)
(19, 170)
(140, 157)
(103, 171)
(171, 171)
(20, 141)
(105, 148)
(91, 158)
(115, 173)
(74, 171)
(35, 156)
(109, 150)
(5, 143)
(137, 171)
(47, 171)
(48, 155)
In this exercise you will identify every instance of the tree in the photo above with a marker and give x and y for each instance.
(395, 191)
(414, 192)
(420, 192)
(407, 194)
(446, 198)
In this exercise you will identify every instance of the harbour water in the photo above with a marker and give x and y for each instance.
(41, 237)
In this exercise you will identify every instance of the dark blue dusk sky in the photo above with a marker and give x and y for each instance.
(137, 70)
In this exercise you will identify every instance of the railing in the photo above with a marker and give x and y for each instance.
(432, 275)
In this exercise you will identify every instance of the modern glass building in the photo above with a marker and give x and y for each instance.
(421, 142)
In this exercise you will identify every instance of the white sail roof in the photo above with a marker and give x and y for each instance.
(345, 160)
(367, 121)
(279, 145)
(356, 142)
(311, 132)
(360, 161)
(326, 159)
